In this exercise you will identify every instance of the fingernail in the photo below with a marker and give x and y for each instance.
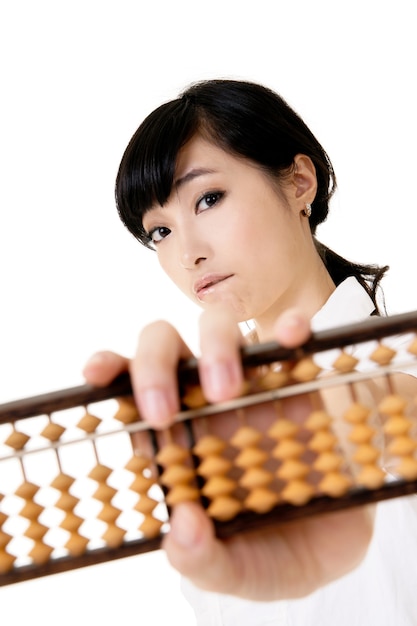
(155, 406)
(220, 380)
(292, 319)
(95, 361)
(184, 527)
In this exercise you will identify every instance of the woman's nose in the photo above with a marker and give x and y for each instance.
(193, 243)
(193, 249)
(189, 260)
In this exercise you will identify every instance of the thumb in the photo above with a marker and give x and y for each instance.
(193, 550)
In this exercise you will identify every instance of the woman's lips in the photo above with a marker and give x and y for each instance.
(206, 284)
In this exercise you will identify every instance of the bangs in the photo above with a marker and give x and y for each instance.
(147, 169)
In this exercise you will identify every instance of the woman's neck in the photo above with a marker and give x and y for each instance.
(316, 289)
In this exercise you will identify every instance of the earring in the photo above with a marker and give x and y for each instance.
(307, 210)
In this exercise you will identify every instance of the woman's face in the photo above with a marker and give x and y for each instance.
(227, 235)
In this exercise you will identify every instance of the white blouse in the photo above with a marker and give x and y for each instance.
(382, 591)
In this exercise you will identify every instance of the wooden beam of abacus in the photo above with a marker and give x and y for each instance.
(256, 355)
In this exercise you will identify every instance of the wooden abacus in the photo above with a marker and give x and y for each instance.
(83, 480)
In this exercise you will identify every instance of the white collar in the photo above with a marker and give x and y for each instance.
(349, 303)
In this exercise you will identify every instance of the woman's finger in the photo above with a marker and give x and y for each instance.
(220, 364)
(292, 328)
(154, 373)
(103, 367)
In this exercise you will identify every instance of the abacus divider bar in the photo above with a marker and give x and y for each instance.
(374, 328)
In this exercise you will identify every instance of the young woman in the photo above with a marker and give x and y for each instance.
(228, 185)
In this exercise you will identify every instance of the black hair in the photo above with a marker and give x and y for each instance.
(247, 120)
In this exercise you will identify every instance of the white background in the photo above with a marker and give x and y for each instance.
(76, 80)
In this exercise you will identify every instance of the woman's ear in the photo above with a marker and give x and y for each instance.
(304, 178)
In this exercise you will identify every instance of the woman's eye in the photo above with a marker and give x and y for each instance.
(157, 234)
(209, 200)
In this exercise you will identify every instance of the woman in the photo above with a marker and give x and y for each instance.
(228, 185)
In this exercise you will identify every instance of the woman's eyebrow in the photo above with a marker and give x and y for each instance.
(191, 175)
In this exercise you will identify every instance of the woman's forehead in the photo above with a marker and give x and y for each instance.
(201, 155)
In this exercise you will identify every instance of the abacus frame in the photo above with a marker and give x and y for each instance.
(253, 356)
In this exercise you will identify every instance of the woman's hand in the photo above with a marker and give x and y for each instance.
(285, 561)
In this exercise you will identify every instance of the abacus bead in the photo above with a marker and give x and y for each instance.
(256, 477)
(176, 474)
(62, 482)
(127, 411)
(224, 508)
(318, 420)
(305, 370)
(245, 436)
(76, 545)
(327, 461)
(214, 465)
(137, 464)
(40, 553)
(108, 513)
(345, 363)
(335, 484)
(401, 446)
(66, 502)
(145, 504)
(26, 490)
(297, 492)
(251, 456)
(71, 522)
(17, 440)
(104, 492)
(261, 500)
(397, 425)
(100, 473)
(194, 397)
(365, 454)
(6, 562)
(182, 493)
(273, 380)
(36, 531)
(282, 428)
(209, 444)
(4, 539)
(171, 453)
(292, 469)
(218, 486)
(31, 510)
(412, 348)
(382, 355)
(371, 477)
(322, 440)
(141, 483)
(88, 423)
(392, 404)
(361, 433)
(287, 449)
(114, 536)
(407, 468)
(52, 432)
(151, 527)
(356, 413)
